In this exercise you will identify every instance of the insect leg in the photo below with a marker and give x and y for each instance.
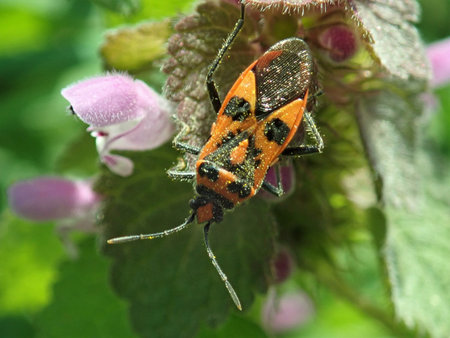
(307, 149)
(181, 175)
(177, 144)
(210, 84)
(270, 188)
(219, 270)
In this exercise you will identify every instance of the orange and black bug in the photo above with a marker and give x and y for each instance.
(255, 124)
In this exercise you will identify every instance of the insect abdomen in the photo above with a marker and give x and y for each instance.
(223, 183)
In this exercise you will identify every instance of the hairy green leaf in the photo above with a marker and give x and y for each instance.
(170, 283)
(416, 210)
(417, 252)
(82, 306)
(395, 41)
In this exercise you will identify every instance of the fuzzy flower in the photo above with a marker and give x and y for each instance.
(339, 41)
(291, 310)
(52, 198)
(123, 114)
(439, 55)
(73, 204)
(283, 265)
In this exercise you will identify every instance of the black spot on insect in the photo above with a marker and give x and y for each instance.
(198, 202)
(208, 170)
(227, 138)
(277, 131)
(217, 213)
(252, 150)
(238, 109)
(211, 195)
(201, 201)
(257, 163)
(243, 190)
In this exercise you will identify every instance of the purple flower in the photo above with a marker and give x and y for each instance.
(123, 114)
(439, 56)
(73, 204)
(281, 314)
(52, 198)
(283, 264)
(339, 41)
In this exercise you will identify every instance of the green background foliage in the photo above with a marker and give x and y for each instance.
(46, 45)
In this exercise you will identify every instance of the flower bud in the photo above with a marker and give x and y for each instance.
(51, 198)
(287, 312)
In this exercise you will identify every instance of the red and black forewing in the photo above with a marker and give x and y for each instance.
(280, 76)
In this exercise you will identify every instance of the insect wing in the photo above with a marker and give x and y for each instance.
(282, 75)
(274, 133)
(237, 113)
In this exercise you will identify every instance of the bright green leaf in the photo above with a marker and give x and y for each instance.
(124, 7)
(29, 254)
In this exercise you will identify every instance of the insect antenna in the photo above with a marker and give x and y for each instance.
(164, 233)
(219, 270)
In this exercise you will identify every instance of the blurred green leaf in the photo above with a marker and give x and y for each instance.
(21, 30)
(439, 130)
(338, 319)
(133, 48)
(16, 327)
(80, 157)
(235, 326)
(171, 285)
(152, 10)
(124, 7)
(434, 19)
(29, 254)
(82, 305)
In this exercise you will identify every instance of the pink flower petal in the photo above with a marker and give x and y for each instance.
(439, 56)
(51, 198)
(153, 130)
(124, 114)
(106, 100)
(287, 312)
(119, 165)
